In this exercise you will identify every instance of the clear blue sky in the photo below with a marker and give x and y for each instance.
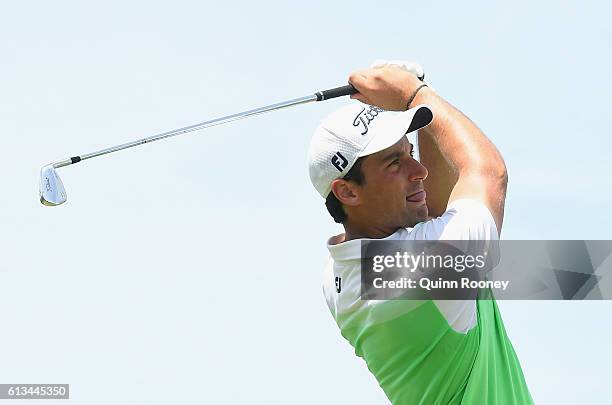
(189, 270)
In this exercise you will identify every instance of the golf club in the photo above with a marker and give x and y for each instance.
(52, 191)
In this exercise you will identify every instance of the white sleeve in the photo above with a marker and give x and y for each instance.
(464, 219)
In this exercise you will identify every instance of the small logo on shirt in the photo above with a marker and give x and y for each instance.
(339, 161)
(338, 284)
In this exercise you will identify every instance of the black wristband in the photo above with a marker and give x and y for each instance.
(414, 95)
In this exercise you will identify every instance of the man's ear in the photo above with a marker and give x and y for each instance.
(346, 192)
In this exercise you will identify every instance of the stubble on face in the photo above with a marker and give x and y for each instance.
(393, 194)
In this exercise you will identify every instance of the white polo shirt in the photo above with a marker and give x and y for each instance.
(428, 352)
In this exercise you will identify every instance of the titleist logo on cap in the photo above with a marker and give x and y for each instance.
(365, 117)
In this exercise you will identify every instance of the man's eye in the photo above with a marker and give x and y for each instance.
(395, 162)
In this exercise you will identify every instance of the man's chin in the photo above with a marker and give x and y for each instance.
(419, 215)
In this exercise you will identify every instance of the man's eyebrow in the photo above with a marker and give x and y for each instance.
(396, 154)
(393, 155)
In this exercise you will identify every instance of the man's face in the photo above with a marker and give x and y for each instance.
(393, 196)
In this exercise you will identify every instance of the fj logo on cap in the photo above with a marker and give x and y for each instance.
(365, 117)
(338, 284)
(339, 161)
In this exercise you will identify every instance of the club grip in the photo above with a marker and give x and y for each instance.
(337, 92)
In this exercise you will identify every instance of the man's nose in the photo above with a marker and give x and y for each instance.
(416, 171)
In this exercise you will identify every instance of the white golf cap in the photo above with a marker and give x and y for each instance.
(354, 131)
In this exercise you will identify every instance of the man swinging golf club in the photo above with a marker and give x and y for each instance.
(362, 164)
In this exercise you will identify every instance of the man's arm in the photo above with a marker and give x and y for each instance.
(479, 168)
(441, 178)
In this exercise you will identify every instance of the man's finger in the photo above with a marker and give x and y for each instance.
(360, 97)
(358, 79)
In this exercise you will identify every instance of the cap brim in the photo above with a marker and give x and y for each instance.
(396, 128)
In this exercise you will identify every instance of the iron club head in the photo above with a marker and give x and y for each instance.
(52, 190)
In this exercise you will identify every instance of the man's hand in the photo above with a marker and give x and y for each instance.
(388, 87)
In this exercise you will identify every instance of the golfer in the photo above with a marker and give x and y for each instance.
(362, 164)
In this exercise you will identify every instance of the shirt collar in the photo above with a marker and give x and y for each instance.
(351, 249)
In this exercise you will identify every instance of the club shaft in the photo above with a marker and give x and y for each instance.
(191, 128)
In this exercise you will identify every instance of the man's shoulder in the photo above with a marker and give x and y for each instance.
(464, 219)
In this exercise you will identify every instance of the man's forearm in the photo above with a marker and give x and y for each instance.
(476, 166)
(460, 141)
(441, 178)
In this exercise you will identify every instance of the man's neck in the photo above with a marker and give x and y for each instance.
(354, 231)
